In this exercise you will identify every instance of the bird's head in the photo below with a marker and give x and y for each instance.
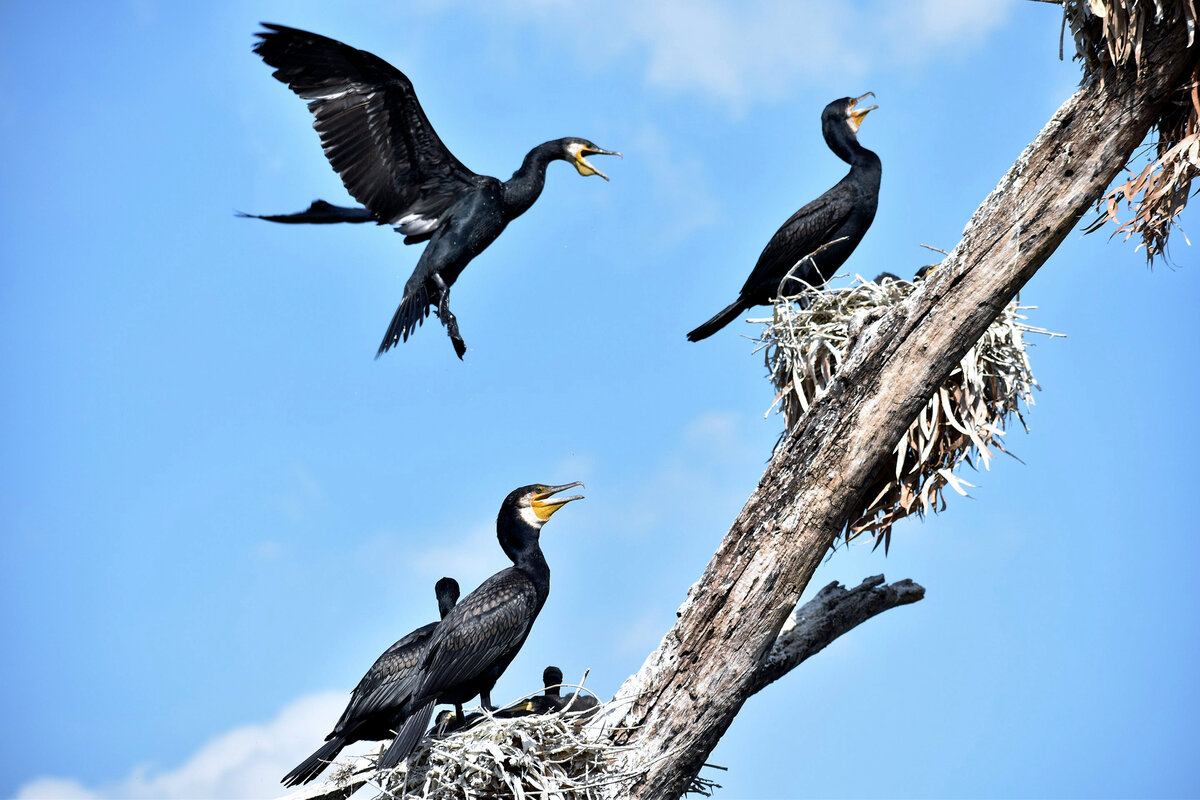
(574, 150)
(847, 111)
(524, 512)
(536, 503)
(551, 678)
(447, 592)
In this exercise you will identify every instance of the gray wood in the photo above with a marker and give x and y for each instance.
(690, 689)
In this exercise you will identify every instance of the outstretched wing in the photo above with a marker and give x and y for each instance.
(372, 128)
(805, 231)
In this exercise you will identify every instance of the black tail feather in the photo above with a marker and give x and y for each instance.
(723, 318)
(312, 766)
(411, 312)
(407, 737)
(319, 213)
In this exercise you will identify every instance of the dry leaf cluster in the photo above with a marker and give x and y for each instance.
(812, 332)
(1108, 34)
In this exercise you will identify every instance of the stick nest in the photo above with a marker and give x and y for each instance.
(1108, 35)
(812, 332)
(558, 756)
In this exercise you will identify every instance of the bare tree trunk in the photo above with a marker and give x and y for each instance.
(689, 690)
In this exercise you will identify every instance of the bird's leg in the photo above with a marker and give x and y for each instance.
(459, 713)
(447, 318)
(485, 700)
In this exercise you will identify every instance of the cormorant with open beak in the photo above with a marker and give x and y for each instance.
(479, 638)
(368, 716)
(378, 139)
(818, 238)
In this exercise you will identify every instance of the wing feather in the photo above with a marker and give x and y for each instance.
(372, 128)
(487, 624)
(804, 232)
(387, 683)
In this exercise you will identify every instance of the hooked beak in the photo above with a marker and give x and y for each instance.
(585, 167)
(856, 113)
(545, 507)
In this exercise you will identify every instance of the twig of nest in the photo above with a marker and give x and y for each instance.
(1108, 34)
(811, 333)
(566, 755)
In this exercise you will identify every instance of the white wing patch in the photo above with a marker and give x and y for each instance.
(415, 224)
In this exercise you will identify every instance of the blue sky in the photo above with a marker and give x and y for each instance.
(219, 508)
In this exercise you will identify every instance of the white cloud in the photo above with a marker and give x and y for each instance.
(246, 762)
(746, 53)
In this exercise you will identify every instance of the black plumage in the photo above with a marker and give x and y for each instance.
(368, 716)
(478, 639)
(380, 142)
(823, 233)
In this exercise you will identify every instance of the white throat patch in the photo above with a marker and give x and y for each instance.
(531, 517)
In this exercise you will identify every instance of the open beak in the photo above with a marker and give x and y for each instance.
(857, 113)
(585, 167)
(545, 507)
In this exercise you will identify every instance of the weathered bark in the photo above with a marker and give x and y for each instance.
(689, 690)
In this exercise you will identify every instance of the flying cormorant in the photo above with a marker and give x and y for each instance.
(366, 717)
(835, 221)
(481, 635)
(380, 142)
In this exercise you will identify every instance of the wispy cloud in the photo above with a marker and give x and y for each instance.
(742, 54)
(245, 762)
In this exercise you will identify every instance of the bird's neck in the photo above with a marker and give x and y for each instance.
(520, 544)
(866, 166)
(521, 190)
(532, 562)
(844, 143)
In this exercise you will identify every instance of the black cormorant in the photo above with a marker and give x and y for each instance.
(478, 639)
(380, 142)
(835, 221)
(366, 717)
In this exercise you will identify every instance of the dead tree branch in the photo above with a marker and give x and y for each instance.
(689, 690)
(835, 610)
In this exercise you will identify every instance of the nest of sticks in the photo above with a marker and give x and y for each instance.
(811, 333)
(1108, 35)
(565, 755)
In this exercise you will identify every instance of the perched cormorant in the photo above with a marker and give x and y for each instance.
(836, 221)
(380, 142)
(481, 635)
(365, 717)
